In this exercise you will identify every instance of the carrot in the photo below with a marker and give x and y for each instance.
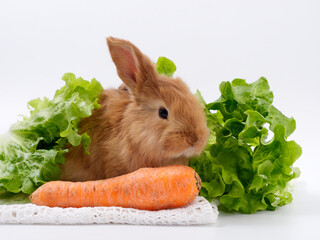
(145, 189)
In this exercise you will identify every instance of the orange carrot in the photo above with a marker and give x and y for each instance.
(145, 189)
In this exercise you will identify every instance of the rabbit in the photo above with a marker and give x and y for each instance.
(151, 120)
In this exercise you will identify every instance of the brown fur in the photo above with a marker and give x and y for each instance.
(127, 132)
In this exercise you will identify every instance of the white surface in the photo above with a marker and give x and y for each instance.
(199, 211)
(210, 41)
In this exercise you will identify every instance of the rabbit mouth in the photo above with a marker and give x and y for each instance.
(189, 152)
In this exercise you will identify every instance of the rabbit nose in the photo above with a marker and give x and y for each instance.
(192, 139)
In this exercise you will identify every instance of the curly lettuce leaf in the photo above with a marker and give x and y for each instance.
(30, 153)
(165, 66)
(239, 166)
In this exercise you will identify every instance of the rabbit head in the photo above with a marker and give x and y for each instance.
(163, 120)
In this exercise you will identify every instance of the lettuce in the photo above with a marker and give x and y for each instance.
(165, 66)
(239, 166)
(30, 153)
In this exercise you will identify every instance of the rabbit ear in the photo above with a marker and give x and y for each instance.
(133, 67)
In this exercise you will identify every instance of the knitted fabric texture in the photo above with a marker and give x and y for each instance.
(199, 211)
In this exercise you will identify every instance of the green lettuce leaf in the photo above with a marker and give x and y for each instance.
(166, 66)
(30, 153)
(239, 167)
(9, 198)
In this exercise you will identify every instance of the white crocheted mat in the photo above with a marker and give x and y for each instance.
(200, 211)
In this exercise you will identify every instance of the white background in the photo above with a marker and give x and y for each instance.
(210, 42)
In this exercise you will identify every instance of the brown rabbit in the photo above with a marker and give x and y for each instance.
(150, 121)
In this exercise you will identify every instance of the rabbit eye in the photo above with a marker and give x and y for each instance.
(163, 113)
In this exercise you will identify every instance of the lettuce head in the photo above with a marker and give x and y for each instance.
(30, 153)
(239, 166)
